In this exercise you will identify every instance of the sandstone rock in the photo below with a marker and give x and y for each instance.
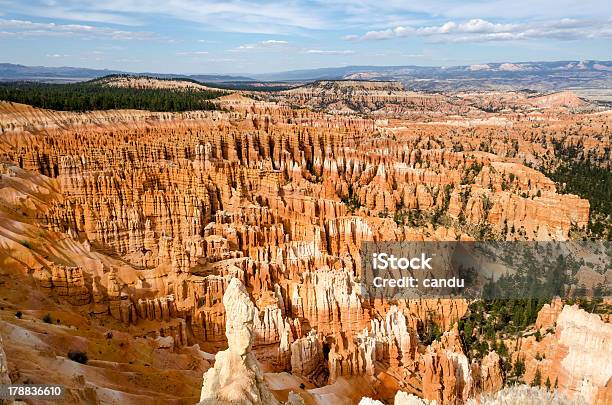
(575, 358)
(67, 282)
(306, 354)
(294, 399)
(164, 342)
(236, 377)
(369, 401)
(488, 376)
(547, 317)
(284, 347)
(4, 373)
(447, 376)
(147, 216)
(403, 398)
(586, 370)
(160, 308)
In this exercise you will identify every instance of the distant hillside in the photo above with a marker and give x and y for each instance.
(587, 78)
(350, 85)
(14, 72)
(542, 76)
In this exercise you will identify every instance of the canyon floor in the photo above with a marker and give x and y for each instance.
(121, 232)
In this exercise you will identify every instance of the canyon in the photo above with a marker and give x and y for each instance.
(214, 256)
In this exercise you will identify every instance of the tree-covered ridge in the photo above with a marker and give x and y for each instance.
(589, 178)
(90, 96)
(109, 78)
(263, 87)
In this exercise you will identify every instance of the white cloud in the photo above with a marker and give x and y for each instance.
(56, 55)
(329, 52)
(225, 16)
(24, 29)
(267, 44)
(386, 34)
(221, 60)
(256, 16)
(479, 30)
(272, 42)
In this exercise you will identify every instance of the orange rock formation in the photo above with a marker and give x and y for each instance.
(140, 219)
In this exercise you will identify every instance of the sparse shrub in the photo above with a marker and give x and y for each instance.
(26, 244)
(78, 356)
(47, 318)
(18, 314)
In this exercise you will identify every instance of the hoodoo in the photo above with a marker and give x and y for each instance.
(236, 378)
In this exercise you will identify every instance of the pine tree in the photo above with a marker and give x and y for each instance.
(519, 368)
(503, 349)
(537, 379)
(547, 384)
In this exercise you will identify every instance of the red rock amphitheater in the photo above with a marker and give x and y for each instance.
(150, 240)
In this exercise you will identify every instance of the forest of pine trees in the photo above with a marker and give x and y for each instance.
(489, 322)
(585, 176)
(90, 96)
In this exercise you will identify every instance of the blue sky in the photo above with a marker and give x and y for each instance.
(200, 36)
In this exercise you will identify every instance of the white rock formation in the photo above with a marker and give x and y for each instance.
(306, 354)
(4, 376)
(403, 398)
(236, 378)
(369, 401)
(524, 395)
(588, 364)
(284, 347)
